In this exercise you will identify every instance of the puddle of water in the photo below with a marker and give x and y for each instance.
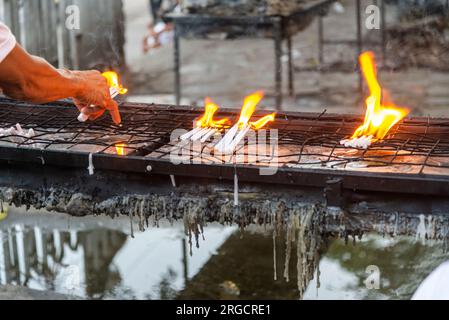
(403, 263)
(97, 258)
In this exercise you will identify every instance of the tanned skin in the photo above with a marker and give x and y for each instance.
(30, 78)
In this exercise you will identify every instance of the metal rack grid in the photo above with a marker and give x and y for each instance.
(420, 143)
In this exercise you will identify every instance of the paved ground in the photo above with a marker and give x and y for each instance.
(228, 70)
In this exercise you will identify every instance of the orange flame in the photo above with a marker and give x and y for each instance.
(249, 106)
(263, 121)
(207, 120)
(120, 148)
(113, 81)
(380, 116)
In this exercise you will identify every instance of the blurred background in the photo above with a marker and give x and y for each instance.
(136, 38)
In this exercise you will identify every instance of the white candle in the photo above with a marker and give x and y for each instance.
(83, 117)
(199, 134)
(187, 135)
(227, 139)
(208, 135)
(229, 148)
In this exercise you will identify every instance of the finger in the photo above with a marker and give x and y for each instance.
(112, 106)
(80, 106)
(91, 110)
(95, 116)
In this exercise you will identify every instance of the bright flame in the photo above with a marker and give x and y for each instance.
(380, 116)
(256, 125)
(249, 106)
(207, 120)
(120, 148)
(113, 81)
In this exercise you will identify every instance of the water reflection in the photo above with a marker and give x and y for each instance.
(76, 262)
(403, 263)
(97, 258)
(102, 263)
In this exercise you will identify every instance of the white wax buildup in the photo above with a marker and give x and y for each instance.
(17, 134)
(17, 131)
(361, 143)
(91, 167)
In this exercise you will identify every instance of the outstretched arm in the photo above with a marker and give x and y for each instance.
(30, 78)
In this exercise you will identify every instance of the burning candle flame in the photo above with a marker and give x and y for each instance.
(120, 148)
(249, 106)
(113, 81)
(380, 116)
(238, 132)
(256, 125)
(207, 120)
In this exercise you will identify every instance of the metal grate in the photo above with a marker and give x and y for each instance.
(309, 149)
(56, 126)
(420, 143)
(146, 129)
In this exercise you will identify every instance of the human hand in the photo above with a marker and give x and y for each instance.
(93, 97)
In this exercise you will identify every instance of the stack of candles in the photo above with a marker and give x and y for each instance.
(238, 132)
(206, 126)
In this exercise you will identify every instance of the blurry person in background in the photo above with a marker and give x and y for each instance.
(30, 78)
(159, 32)
(155, 8)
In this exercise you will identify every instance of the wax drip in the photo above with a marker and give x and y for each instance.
(236, 189)
(91, 167)
(274, 255)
